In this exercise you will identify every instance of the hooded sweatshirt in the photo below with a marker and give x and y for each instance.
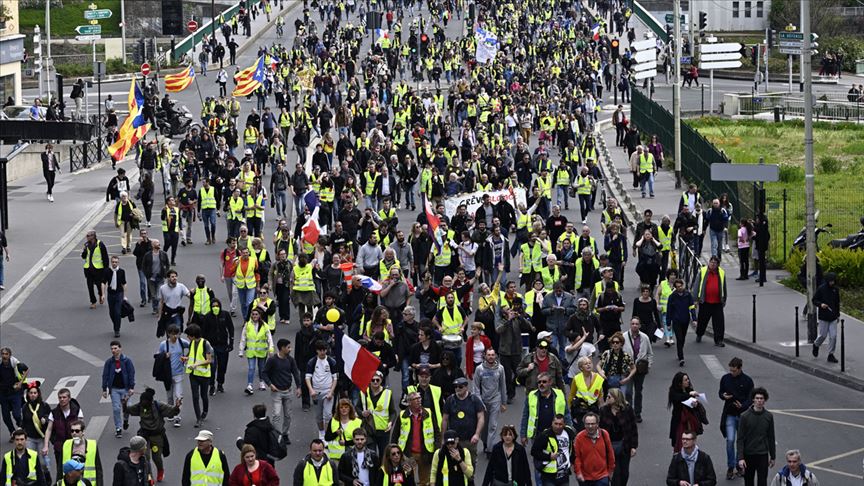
(131, 474)
(489, 382)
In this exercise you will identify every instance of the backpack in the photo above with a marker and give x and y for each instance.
(276, 449)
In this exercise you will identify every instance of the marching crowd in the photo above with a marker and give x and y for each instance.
(431, 298)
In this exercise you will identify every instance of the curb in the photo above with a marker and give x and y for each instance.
(617, 190)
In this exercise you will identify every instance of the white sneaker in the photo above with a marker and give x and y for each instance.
(51, 197)
(177, 420)
(262, 386)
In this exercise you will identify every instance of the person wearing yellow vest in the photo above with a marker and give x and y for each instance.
(586, 390)
(451, 319)
(416, 433)
(647, 167)
(95, 256)
(546, 395)
(256, 343)
(268, 305)
(452, 464)
(532, 260)
(554, 465)
(584, 183)
(21, 465)
(303, 286)
(171, 226)
(316, 469)
(340, 430)
(661, 295)
(378, 406)
(83, 450)
(205, 465)
(430, 394)
(562, 184)
(711, 296)
(250, 137)
(198, 368)
(255, 204)
(665, 235)
(245, 280)
(207, 207)
(200, 299)
(235, 216)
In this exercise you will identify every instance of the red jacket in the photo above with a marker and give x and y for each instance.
(240, 478)
(469, 354)
(594, 460)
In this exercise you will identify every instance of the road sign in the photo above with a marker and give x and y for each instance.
(722, 47)
(791, 35)
(686, 59)
(642, 66)
(792, 44)
(192, 26)
(644, 44)
(89, 29)
(670, 16)
(93, 37)
(720, 65)
(645, 56)
(745, 172)
(795, 51)
(645, 74)
(102, 13)
(720, 56)
(145, 69)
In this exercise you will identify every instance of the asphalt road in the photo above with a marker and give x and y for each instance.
(65, 342)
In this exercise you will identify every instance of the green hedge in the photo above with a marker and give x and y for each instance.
(64, 20)
(847, 264)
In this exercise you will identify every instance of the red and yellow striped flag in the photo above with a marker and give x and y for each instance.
(249, 79)
(180, 81)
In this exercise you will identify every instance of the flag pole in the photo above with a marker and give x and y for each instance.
(199, 90)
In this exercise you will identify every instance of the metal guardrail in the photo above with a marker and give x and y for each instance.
(86, 154)
(689, 264)
(789, 106)
(188, 44)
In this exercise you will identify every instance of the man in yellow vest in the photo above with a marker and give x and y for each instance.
(378, 406)
(562, 184)
(316, 469)
(647, 168)
(21, 465)
(95, 256)
(207, 207)
(200, 300)
(417, 421)
(584, 184)
(199, 370)
(552, 464)
(711, 295)
(545, 396)
(205, 465)
(85, 451)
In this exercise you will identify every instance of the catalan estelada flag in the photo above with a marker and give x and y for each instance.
(180, 81)
(134, 127)
(249, 79)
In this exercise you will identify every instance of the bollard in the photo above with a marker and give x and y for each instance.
(754, 318)
(842, 345)
(797, 347)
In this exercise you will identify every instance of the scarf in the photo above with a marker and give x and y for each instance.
(34, 414)
(368, 461)
(690, 460)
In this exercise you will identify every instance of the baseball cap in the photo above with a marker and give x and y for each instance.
(543, 335)
(423, 370)
(72, 465)
(460, 381)
(204, 435)
(543, 344)
(137, 444)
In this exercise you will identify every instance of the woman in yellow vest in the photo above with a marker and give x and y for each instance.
(586, 389)
(303, 286)
(379, 322)
(257, 342)
(245, 280)
(661, 295)
(341, 430)
(198, 368)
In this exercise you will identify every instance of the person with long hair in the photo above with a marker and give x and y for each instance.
(508, 462)
(585, 391)
(615, 366)
(251, 471)
(396, 470)
(617, 418)
(448, 371)
(257, 342)
(683, 419)
(35, 416)
(379, 321)
(745, 235)
(340, 431)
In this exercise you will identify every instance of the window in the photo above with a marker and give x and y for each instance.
(736, 10)
(7, 87)
(748, 6)
(760, 9)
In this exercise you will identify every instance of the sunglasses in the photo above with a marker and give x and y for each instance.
(543, 381)
(395, 453)
(616, 342)
(76, 431)
(376, 381)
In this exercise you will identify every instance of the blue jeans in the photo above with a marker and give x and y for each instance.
(208, 216)
(409, 194)
(2, 259)
(731, 432)
(559, 341)
(649, 180)
(561, 194)
(244, 299)
(371, 202)
(281, 202)
(716, 241)
(117, 395)
(598, 482)
(406, 374)
(142, 285)
(299, 204)
(250, 371)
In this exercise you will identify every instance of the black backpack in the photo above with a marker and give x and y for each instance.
(276, 449)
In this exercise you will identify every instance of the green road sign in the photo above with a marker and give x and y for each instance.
(669, 18)
(791, 35)
(89, 29)
(102, 13)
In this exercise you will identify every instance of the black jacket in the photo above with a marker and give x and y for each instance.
(258, 434)
(829, 295)
(147, 261)
(347, 461)
(496, 468)
(127, 474)
(703, 473)
(218, 330)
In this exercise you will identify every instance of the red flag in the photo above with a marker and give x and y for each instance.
(360, 363)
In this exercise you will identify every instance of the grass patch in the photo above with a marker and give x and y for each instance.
(851, 300)
(839, 161)
(64, 20)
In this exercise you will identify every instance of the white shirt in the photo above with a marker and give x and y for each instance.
(362, 472)
(563, 460)
(796, 480)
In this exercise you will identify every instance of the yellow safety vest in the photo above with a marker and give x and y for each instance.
(370, 183)
(89, 458)
(208, 198)
(522, 221)
(531, 258)
(545, 185)
(562, 177)
(258, 201)
(529, 302)
(95, 257)
(595, 263)
(246, 281)
(560, 406)
(583, 185)
(336, 449)
(405, 428)
(443, 258)
(209, 474)
(201, 305)
(250, 135)
(436, 399)
(311, 479)
(646, 164)
(700, 291)
(665, 238)
(665, 291)
(235, 207)
(303, 279)
(327, 194)
(551, 467)
(256, 340)
(583, 392)
(452, 324)
(271, 320)
(172, 214)
(549, 278)
(197, 356)
(381, 411)
(31, 466)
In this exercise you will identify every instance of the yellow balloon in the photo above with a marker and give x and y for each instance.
(332, 315)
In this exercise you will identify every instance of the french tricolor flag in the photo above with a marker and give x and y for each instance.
(434, 223)
(360, 363)
(312, 230)
(595, 32)
(370, 284)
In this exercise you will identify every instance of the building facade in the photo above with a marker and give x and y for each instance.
(11, 52)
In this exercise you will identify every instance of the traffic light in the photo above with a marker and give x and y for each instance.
(615, 48)
(754, 54)
(770, 34)
(670, 32)
(813, 43)
(703, 21)
(424, 45)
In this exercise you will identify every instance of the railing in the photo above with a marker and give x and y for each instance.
(790, 106)
(86, 154)
(192, 40)
(689, 265)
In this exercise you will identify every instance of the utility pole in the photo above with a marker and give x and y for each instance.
(676, 92)
(809, 177)
(122, 28)
(48, 61)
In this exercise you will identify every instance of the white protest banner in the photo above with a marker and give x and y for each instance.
(474, 200)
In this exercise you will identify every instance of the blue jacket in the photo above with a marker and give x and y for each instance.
(127, 370)
(679, 308)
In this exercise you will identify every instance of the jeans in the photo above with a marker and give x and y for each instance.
(409, 194)
(827, 329)
(371, 202)
(2, 259)
(323, 408)
(406, 374)
(250, 370)
(10, 406)
(200, 389)
(281, 409)
(511, 363)
(208, 217)
(281, 198)
(559, 341)
(36, 445)
(142, 286)
(561, 194)
(716, 242)
(232, 292)
(584, 205)
(647, 178)
(299, 204)
(598, 482)
(634, 395)
(744, 261)
(731, 434)
(244, 299)
(115, 302)
(756, 471)
(117, 395)
(171, 240)
(680, 329)
(174, 389)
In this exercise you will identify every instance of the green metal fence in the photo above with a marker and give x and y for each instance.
(649, 20)
(697, 154)
(187, 44)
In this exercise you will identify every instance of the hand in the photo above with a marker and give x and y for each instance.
(365, 413)
(580, 478)
(727, 396)
(475, 439)
(824, 306)
(553, 456)
(44, 450)
(771, 464)
(742, 464)
(104, 394)
(230, 347)
(503, 408)
(524, 441)
(328, 396)
(632, 452)
(273, 388)
(454, 453)
(683, 483)
(530, 366)
(624, 381)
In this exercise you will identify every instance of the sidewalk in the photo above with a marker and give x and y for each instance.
(775, 303)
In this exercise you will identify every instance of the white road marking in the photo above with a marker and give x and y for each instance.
(83, 355)
(820, 419)
(96, 426)
(834, 471)
(833, 458)
(32, 331)
(820, 410)
(791, 344)
(75, 384)
(714, 366)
